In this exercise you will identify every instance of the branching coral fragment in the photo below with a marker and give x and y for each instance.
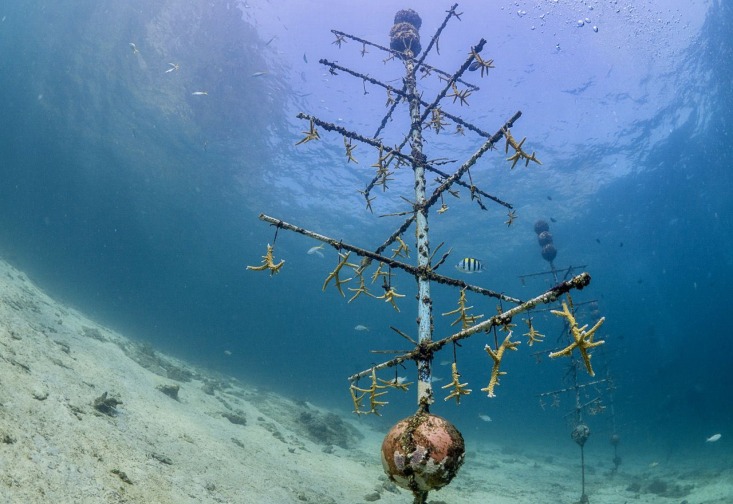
(533, 335)
(268, 263)
(340, 39)
(402, 250)
(389, 297)
(362, 289)
(460, 95)
(459, 388)
(383, 174)
(436, 120)
(398, 382)
(311, 134)
(374, 392)
(334, 275)
(582, 339)
(464, 318)
(350, 151)
(482, 64)
(518, 152)
(379, 273)
(496, 356)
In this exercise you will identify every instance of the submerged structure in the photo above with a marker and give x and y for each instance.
(424, 452)
(587, 396)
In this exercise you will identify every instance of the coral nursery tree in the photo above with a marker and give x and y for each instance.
(424, 451)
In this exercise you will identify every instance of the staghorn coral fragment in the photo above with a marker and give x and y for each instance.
(334, 275)
(389, 297)
(464, 318)
(268, 262)
(459, 388)
(582, 339)
(533, 334)
(497, 356)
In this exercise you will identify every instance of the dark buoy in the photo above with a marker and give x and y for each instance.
(549, 252)
(580, 434)
(404, 36)
(544, 238)
(408, 16)
(541, 226)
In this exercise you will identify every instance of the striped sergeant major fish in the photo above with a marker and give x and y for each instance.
(470, 265)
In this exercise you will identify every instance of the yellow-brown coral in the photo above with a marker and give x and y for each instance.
(389, 297)
(582, 339)
(459, 388)
(496, 356)
(268, 262)
(334, 275)
(518, 152)
(373, 392)
(464, 318)
(533, 334)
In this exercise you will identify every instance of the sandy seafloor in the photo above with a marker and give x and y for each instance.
(222, 441)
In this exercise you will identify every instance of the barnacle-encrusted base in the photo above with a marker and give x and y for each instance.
(422, 452)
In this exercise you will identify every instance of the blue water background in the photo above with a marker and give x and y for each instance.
(127, 196)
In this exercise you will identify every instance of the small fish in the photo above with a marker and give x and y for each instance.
(227, 352)
(200, 93)
(316, 250)
(437, 379)
(398, 380)
(475, 65)
(361, 328)
(485, 418)
(305, 58)
(446, 362)
(134, 48)
(552, 219)
(258, 74)
(713, 438)
(470, 265)
(173, 67)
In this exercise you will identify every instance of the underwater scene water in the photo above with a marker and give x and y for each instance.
(140, 141)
